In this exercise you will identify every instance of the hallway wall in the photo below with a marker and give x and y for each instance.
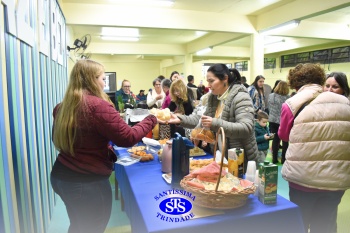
(33, 78)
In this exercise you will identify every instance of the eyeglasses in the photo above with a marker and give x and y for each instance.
(127, 86)
(156, 84)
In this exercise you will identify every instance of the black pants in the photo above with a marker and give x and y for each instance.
(318, 209)
(276, 143)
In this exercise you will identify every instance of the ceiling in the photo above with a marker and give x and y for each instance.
(168, 32)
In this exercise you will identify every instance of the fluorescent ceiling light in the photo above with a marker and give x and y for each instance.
(282, 27)
(203, 51)
(113, 31)
(120, 38)
(271, 42)
(200, 33)
(146, 2)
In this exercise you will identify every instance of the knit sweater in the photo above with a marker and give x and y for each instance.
(275, 106)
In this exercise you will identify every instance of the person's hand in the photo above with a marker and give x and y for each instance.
(173, 120)
(267, 137)
(159, 97)
(206, 121)
(195, 142)
(204, 144)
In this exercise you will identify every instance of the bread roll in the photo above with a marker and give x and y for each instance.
(163, 114)
(203, 134)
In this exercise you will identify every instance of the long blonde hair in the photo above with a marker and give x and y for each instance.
(83, 79)
(178, 85)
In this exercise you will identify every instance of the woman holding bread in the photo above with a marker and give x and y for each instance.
(84, 123)
(229, 106)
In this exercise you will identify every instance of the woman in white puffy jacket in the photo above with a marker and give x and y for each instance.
(317, 166)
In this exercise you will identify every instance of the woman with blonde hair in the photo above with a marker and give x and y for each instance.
(84, 123)
(276, 99)
(127, 96)
(181, 102)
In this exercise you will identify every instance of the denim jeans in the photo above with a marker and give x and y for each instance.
(88, 204)
(318, 209)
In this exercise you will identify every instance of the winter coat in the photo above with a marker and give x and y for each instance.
(262, 143)
(99, 124)
(237, 120)
(318, 153)
(257, 98)
(125, 97)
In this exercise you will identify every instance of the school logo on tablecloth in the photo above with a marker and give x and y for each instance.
(175, 205)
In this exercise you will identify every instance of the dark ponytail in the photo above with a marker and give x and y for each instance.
(221, 70)
(236, 76)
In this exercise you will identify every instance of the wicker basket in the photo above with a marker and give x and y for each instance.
(215, 199)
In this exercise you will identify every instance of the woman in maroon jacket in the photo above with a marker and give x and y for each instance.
(84, 123)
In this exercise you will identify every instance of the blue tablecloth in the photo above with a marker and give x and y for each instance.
(140, 183)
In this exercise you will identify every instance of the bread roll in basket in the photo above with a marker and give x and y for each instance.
(216, 198)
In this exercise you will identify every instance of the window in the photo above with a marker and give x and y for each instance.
(288, 60)
(269, 63)
(241, 66)
(340, 55)
(320, 56)
(325, 56)
(303, 58)
(205, 67)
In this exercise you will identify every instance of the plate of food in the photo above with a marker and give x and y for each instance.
(197, 152)
(163, 141)
(136, 148)
(143, 155)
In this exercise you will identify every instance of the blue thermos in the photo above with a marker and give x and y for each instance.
(180, 165)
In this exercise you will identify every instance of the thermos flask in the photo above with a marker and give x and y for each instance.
(180, 159)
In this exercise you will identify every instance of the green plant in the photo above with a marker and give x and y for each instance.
(132, 100)
(120, 103)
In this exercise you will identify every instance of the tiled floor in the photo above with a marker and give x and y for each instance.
(119, 222)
